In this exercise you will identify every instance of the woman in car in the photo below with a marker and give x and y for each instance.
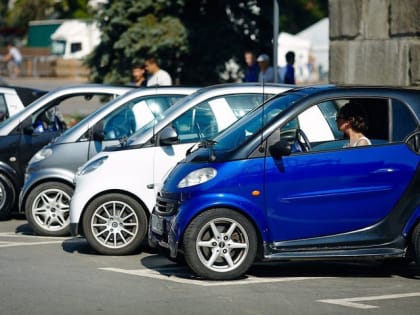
(352, 121)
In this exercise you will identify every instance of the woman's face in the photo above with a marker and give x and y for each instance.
(342, 123)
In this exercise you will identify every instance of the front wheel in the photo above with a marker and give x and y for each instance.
(115, 224)
(47, 209)
(220, 244)
(7, 197)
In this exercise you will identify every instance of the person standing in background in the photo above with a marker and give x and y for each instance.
(156, 75)
(266, 71)
(289, 75)
(13, 59)
(251, 70)
(138, 73)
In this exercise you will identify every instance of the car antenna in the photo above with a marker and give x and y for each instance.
(261, 149)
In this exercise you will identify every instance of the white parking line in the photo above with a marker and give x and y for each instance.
(12, 244)
(176, 274)
(41, 240)
(11, 234)
(351, 302)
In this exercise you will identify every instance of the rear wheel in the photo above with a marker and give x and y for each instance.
(115, 224)
(7, 197)
(47, 209)
(220, 244)
(416, 245)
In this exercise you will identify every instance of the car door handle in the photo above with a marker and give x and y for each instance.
(384, 170)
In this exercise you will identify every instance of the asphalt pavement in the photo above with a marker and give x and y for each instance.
(50, 275)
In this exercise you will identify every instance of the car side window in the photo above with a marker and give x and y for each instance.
(207, 119)
(196, 124)
(135, 114)
(318, 126)
(3, 108)
(65, 113)
(403, 121)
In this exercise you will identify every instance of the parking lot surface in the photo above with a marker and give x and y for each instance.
(43, 275)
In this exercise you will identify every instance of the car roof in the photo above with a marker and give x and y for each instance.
(56, 94)
(26, 95)
(409, 96)
(74, 133)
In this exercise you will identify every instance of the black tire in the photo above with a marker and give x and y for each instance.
(416, 246)
(7, 197)
(119, 233)
(47, 209)
(239, 246)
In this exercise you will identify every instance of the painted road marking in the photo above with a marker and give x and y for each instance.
(183, 275)
(12, 244)
(41, 240)
(352, 302)
(11, 234)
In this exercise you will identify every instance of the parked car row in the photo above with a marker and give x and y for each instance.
(221, 175)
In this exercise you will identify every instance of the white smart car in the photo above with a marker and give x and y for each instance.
(115, 191)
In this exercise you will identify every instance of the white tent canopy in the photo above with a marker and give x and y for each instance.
(311, 48)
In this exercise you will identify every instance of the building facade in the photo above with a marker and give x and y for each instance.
(375, 42)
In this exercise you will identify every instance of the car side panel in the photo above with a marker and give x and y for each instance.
(319, 194)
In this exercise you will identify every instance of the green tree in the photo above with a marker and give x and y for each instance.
(192, 39)
(24, 11)
(134, 30)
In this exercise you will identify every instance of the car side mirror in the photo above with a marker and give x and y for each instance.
(97, 132)
(27, 127)
(280, 149)
(168, 136)
(28, 130)
(98, 135)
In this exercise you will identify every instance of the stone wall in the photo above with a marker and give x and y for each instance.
(375, 42)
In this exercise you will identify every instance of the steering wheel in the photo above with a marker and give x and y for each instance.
(302, 140)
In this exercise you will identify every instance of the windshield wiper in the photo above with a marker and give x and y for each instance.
(206, 143)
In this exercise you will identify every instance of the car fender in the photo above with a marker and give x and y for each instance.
(41, 176)
(10, 173)
(191, 208)
(412, 222)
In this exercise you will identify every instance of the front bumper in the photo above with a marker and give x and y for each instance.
(162, 233)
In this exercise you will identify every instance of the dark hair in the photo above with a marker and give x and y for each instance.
(290, 56)
(355, 114)
(139, 66)
(152, 61)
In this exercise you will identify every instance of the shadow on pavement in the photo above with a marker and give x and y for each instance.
(336, 269)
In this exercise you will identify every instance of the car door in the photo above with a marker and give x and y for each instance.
(332, 190)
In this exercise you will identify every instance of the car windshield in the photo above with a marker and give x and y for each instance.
(241, 131)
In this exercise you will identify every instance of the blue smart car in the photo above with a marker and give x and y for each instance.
(275, 187)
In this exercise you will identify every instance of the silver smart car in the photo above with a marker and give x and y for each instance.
(45, 196)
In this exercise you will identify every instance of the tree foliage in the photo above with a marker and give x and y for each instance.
(24, 11)
(192, 39)
(133, 31)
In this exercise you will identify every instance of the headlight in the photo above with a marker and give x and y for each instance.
(40, 155)
(92, 165)
(197, 177)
